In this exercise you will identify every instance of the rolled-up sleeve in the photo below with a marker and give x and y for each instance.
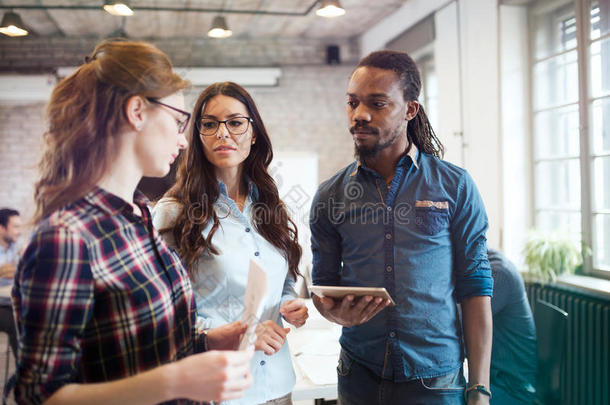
(325, 243)
(288, 291)
(468, 228)
(53, 302)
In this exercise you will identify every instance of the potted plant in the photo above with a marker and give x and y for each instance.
(549, 255)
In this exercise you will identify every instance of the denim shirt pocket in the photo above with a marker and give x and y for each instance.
(431, 216)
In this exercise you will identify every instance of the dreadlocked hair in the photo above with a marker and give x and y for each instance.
(419, 130)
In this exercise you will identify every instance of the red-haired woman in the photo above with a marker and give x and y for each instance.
(224, 211)
(105, 310)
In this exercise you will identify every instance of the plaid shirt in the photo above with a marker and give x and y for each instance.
(99, 296)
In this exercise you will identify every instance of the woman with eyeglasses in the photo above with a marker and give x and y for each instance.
(224, 211)
(105, 310)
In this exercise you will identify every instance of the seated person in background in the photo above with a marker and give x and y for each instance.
(513, 355)
(224, 211)
(10, 231)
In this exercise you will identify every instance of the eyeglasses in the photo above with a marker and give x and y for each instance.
(235, 125)
(182, 123)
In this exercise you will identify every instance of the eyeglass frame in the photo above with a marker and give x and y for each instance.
(249, 120)
(181, 125)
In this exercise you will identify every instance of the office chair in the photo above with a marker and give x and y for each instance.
(551, 326)
(7, 325)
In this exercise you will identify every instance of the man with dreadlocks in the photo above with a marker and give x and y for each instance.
(401, 218)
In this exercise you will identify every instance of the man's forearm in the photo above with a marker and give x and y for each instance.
(477, 323)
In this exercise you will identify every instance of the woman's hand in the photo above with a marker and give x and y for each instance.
(295, 312)
(212, 376)
(270, 337)
(226, 337)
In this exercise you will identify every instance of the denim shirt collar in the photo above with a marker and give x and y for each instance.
(252, 189)
(410, 157)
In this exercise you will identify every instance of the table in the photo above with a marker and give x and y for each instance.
(315, 344)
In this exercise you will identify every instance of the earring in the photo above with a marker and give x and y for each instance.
(138, 127)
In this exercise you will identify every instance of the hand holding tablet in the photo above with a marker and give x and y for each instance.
(340, 292)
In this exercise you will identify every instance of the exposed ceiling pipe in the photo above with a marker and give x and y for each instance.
(53, 20)
(173, 9)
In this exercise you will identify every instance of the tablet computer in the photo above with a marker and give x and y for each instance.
(340, 292)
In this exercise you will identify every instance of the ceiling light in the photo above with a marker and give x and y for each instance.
(12, 25)
(120, 8)
(330, 8)
(219, 28)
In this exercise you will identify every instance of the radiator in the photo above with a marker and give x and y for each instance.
(586, 377)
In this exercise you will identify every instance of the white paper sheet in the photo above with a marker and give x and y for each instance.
(253, 303)
(325, 343)
(318, 358)
(321, 370)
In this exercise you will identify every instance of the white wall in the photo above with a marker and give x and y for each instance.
(516, 147)
(479, 28)
(296, 176)
(446, 57)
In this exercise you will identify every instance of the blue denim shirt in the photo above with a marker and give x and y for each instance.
(513, 351)
(423, 239)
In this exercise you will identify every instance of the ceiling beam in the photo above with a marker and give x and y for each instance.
(172, 9)
(53, 20)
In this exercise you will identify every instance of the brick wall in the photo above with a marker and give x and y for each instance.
(21, 128)
(305, 113)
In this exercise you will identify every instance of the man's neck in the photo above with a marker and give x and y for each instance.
(386, 161)
(4, 243)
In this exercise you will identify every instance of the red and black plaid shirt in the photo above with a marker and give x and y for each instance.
(98, 296)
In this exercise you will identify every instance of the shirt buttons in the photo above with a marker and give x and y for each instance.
(247, 229)
(388, 269)
(392, 334)
(388, 236)
(262, 362)
(257, 254)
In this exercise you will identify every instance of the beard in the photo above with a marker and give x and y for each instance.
(371, 153)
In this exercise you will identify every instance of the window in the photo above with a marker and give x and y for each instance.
(599, 99)
(556, 143)
(570, 70)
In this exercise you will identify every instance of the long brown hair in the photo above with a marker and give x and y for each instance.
(86, 112)
(419, 130)
(196, 189)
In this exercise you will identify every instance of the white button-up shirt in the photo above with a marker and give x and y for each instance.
(220, 285)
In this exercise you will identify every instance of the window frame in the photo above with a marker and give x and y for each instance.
(582, 14)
